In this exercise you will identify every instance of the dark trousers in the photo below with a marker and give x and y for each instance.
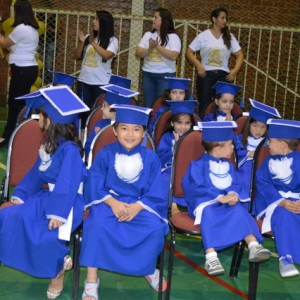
(204, 88)
(22, 78)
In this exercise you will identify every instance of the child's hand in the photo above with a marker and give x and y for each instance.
(292, 206)
(15, 201)
(132, 210)
(176, 136)
(230, 199)
(153, 43)
(228, 117)
(53, 224)
(81, 36)
(119, 208)
(97, 129)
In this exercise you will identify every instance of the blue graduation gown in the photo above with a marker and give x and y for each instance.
(220, 116)
(125, 247)
(165, 153)
(285, 225)
(26, 243)
(222, 225)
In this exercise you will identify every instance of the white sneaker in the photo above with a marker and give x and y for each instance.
(258, 253)
(213, 266)
(286, 267)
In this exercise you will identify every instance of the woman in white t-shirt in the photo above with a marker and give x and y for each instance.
(159, 49)
(22, 44)
(216, 46)
(96, 50)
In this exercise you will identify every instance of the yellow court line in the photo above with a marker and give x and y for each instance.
(3, 166)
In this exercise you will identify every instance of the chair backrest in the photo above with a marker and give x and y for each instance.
(157, 104)
(161, 125)
(236, 110)
(241, 121)
(21, 115)
(106, 136)
(23, 151)
(95, 116)
(99, 100)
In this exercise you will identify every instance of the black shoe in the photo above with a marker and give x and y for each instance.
(3, 144)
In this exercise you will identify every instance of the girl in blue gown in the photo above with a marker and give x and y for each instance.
(127, 223)
(277, 198)
(35, 230)
(223, 102)
(212, 190)
(182, 120)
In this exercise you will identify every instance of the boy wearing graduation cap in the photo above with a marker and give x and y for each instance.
(177, 90)
(277, 198)
(114, 95)
(212, 191)
(254, 131)
(182, 120)
(42, 219)
(223, 102)
(126, 228)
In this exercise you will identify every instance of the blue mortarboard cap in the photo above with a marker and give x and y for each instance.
(131, 114)
(60, 103)
(225, 87)
(118, 95)
(120, 81)
(179, 107)
(283, 129)
(62, 78)
(216, 131)
(262, 112)
(177, 83)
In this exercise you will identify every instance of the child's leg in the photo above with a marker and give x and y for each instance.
(257, 252)
(212, 262)
(91, 285)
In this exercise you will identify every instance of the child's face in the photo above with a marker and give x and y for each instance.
(225, 150)
(177, 94)
(107, 113)
(183, 124)
(258, 129)
(129, 135)
(276, 146)
(225, 103)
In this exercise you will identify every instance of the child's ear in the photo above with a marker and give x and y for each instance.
(115, 131)
(216, 101)
(144, 134)
(172, 124)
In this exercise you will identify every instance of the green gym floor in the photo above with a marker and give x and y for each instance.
(189, 277)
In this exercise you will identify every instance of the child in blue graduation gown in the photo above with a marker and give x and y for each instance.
(35, 230)
(114, 95)
(212, 190)
(223, 102)
(127, 224)
(182, 120)
(277, 198)
(254, 131)
(177, 90)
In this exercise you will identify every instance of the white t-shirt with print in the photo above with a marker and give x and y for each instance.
(154, 62)
(26, 39)
(93, 69)
(214, 54)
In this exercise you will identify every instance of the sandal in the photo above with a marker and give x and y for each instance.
(53, 293)
(91, 289)
(153, 280)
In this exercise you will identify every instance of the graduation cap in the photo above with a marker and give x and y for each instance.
(177, 83)
(216, 131)
(62, 78)
(60, 103)
(131, 114)
(283, 129)
(225, 87)
(118, 95)
(262, 112)
(179, 107)
(120, 81)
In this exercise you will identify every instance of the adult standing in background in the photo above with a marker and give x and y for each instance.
(22, 44)
(216, 46)
(159, 48)
(96, 50)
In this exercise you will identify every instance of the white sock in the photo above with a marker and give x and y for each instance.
(211, 255)
(251, 244)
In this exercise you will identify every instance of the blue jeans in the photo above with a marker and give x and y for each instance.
(154, 84)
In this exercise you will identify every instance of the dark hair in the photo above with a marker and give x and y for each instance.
(166, 96)
(292, 143)
(106, 28)
(225, 31)
(209, 146)
(215, 106)
(246, 130)
(55, 132)
(167, 25)
(24, 14)
(176, 118)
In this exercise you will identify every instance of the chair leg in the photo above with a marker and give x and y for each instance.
(76, 267)
(161, 273)
(236, 258)
(253, 279)
(170, 264)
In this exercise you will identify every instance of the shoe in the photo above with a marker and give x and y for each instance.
(91, 289)
(258, 253)
(286, 267)
(153, 280)
(214, 267)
